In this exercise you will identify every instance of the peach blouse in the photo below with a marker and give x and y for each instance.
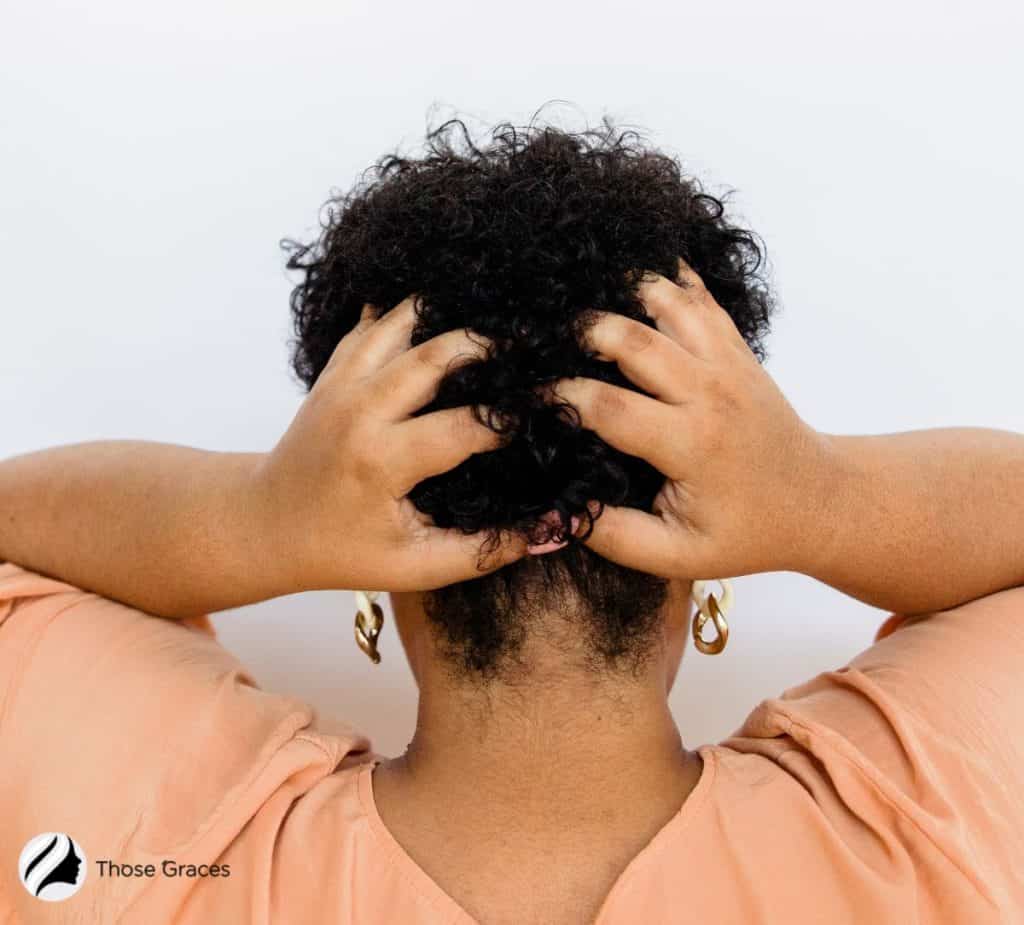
(890, 790)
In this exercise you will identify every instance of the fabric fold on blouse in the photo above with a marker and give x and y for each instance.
(887, 790)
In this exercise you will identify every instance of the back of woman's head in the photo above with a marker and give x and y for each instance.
(517, 239)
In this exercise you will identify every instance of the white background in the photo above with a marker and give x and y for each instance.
(151, 157)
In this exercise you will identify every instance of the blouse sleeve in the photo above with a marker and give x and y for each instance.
(932, 716)
(138, 736)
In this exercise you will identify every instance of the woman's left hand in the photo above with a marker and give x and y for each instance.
(335, 486)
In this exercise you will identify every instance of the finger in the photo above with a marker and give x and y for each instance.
(436, 442)
(445, 556)
(689, 281)
(687, 312)
(410, 380)
(628, 421)
(638, 540)
(651, 359)
(677, 313)
(349, 344)
(384, 339)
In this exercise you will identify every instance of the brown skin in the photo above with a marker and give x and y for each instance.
(181, 532)
(569, 771)
(910, 522)
(545, 771)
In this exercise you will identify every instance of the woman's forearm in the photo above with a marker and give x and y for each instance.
(908, 522)
(924, 520)
(169, 529)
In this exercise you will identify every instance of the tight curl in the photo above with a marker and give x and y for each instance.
(517, 239)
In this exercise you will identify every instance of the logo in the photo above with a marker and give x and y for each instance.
(52, 867)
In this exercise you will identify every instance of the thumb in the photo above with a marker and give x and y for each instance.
(638, 540)
(449, 555)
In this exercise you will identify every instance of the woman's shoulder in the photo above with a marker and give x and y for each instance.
(914, 745)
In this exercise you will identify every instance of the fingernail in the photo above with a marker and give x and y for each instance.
(541, 548)
(551, 520)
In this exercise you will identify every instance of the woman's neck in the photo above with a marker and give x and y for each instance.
(559, 748)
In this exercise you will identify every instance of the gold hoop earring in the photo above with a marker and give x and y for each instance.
(711, 608)
(369, 621)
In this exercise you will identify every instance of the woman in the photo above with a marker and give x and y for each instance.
(536, 415)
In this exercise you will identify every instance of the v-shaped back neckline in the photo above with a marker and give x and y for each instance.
(452, 912)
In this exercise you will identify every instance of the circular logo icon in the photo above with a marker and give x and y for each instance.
(52, 867)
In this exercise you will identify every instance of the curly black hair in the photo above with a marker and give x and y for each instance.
(517, 239)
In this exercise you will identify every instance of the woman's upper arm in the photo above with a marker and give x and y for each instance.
(140, 737)
(959, 674)
(932, 714)
(118, 726)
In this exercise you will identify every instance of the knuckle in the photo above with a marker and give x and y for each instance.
(434, 353)
(363, 462)
(637, 336)
(607, 403)
(690, 280)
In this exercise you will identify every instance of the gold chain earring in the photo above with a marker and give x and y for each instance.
(714, 609)
(369, 620)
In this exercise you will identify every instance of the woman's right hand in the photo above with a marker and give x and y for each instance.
(746, 477)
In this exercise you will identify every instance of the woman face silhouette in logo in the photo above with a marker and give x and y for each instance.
(57, 862)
